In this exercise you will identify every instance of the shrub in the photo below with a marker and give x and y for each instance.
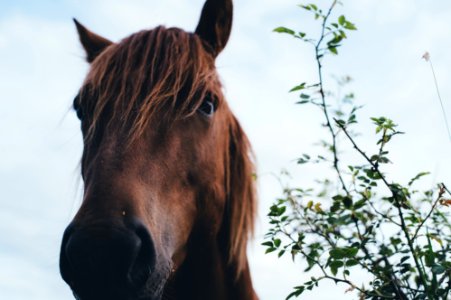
(359, 220)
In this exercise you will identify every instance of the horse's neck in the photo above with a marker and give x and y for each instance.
(205, 275)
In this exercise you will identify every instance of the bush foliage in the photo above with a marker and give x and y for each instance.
(360, 221)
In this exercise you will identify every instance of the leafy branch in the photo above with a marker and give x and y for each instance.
(400, 240)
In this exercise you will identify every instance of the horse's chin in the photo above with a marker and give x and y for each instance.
(152, 290)
(123, 297)
(154, 287)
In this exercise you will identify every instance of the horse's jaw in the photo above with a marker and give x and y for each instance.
(152, 290)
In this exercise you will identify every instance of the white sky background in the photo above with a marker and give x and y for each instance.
(42, 67)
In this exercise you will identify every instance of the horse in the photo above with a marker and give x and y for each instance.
(169, 196)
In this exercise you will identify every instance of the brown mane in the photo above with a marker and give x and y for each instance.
(166, 74)
(161, 71)
(242, 201)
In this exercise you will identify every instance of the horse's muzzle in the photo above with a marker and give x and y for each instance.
(105, 261)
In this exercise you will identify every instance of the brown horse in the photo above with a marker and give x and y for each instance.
(169, 200)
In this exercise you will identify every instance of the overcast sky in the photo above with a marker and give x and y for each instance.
(42, 66)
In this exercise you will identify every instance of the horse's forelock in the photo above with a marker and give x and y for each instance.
(163, 72)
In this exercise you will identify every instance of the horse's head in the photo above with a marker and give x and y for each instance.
(168, 194)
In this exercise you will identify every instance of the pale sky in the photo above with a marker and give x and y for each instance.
(42, 67)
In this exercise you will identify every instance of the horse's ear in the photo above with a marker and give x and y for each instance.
(241, 203)
(215, 24)
(92, 43)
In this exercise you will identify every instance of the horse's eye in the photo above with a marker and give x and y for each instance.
(208, 107)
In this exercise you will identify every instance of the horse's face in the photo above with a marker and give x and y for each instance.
(145, 197)
(159, 149)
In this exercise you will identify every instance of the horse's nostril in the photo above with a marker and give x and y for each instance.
(95, 259)
(145, 259)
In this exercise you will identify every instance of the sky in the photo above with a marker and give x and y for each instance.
(42, 66)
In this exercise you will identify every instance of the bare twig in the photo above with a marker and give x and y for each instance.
(446, 189)
(440, 194)
(386, 216)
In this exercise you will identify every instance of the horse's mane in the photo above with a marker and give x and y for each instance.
(160, 71)
(167, 73)
(242, 201)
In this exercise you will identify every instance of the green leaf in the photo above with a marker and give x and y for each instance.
(298, 87)
(349, 26)
(299, 290)
(304, 159)
(351, 262)
(347, 201)
(303, 102)
(359, 204)
(352, 252)
(335, 206)
(276, 211)
(343, 35)
(338, 197)
(269, 244)
(333, 50)
(404, 258)
(419, 175)
(335, 265)
(269, 250)
(429, 258)
(341, 20)
(284, 30)
(282, 210)
(339, 252)
(438, 269)
(277, 242)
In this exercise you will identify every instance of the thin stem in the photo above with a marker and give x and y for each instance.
(336, 279)
(440, 98)
(440, 194)
(323, 96)
(383, 215)
(445, 188)
(381, 149)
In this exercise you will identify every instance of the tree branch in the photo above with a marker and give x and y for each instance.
(318, 55)
(398, 206)
(440, 194)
